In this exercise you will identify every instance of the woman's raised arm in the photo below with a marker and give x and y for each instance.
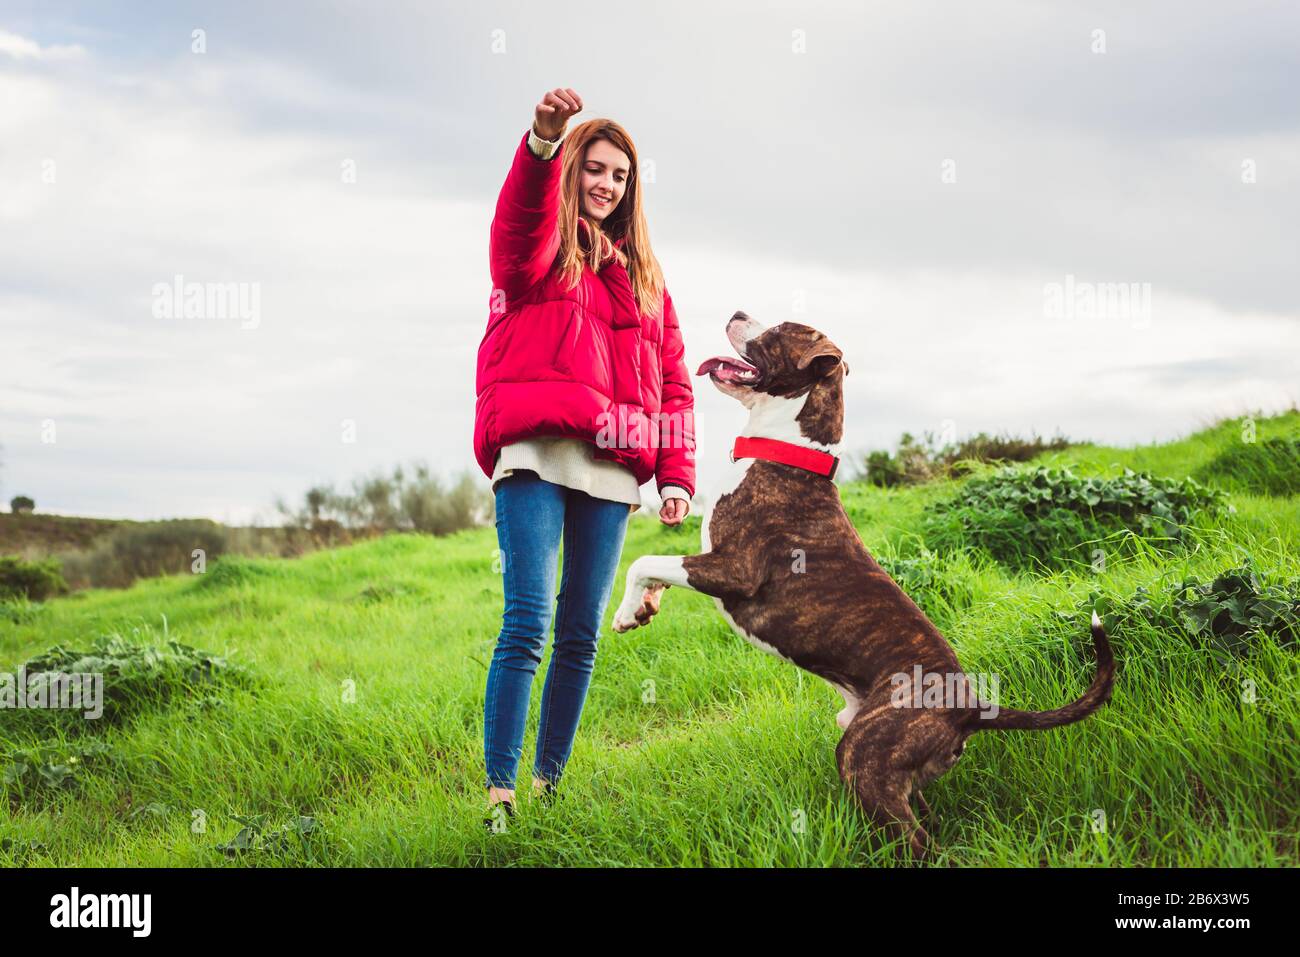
(524, 239)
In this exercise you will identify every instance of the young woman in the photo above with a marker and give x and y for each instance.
(583, 396)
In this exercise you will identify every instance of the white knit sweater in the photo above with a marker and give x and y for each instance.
(568, 461)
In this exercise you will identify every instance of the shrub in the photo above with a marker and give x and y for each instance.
(1002, 448)
(34, 581)
(21, 504)
(924, 459)
(1226, 616)
(162, 548)
(136, 677)
(411, 499)
(1271, 467)
(913, 463)
(46, 769)
(143, 551)
(431, 508)
(883, 469)
(1024, 517)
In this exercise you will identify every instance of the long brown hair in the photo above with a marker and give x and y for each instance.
(626, 222)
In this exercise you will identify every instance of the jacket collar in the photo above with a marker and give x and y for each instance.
(785, 453)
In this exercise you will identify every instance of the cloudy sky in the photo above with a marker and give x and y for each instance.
(940, 187)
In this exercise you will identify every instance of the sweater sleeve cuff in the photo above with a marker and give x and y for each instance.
(673, 491)
(544, 149)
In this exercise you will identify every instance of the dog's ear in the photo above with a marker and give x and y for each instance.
(824, 353)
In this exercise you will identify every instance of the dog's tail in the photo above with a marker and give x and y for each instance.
(1098, 693)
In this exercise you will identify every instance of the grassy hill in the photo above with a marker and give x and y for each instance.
(345, 727)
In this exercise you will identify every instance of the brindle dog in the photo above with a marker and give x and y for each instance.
(789, 572)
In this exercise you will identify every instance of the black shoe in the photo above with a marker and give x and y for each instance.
(549, 794)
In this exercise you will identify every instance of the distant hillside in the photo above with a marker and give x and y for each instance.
(113, 553)
(35, 535)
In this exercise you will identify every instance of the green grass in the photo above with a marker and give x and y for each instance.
(694, 749)
(1268, 467)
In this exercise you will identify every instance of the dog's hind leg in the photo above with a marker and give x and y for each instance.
(922, 803)
(886, 802)
(901, 822)
(877, 760)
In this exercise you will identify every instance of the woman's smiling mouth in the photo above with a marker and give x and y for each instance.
(601, 202)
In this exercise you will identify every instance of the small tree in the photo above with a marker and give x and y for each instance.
(20, 504)
(35, 581)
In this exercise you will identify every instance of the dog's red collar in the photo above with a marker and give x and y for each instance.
(787, 453)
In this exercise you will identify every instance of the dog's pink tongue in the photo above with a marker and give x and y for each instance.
(725, 366)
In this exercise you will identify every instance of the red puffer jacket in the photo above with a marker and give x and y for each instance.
(583, 362)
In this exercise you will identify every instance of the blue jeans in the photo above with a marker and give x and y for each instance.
(532, 516)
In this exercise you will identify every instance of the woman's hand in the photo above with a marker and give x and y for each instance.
(673, 511)
(551, 115)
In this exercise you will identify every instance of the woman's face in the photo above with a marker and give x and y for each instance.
(603, 180)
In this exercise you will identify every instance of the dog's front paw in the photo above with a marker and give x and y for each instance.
(649, 604)
(636, 614)
(625, 620)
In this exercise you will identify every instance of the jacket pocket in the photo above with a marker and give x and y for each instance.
(568, 341)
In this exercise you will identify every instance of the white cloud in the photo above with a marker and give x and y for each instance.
(21, 48)
(119, 173)
(927, 348)
(369, 299)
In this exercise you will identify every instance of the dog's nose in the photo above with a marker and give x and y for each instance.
(739, 317)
